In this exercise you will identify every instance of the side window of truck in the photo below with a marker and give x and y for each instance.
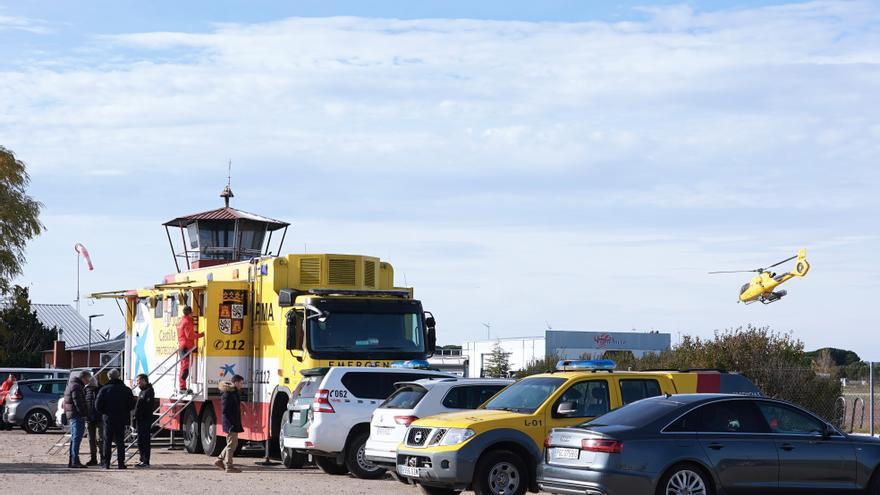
(590, 396)
(632, 390)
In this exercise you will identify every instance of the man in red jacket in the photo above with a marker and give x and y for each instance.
(187, 338)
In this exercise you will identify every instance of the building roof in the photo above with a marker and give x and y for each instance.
(74, 328)
(115, 344)
(225, 213)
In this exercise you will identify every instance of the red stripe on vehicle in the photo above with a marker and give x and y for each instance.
(708, 383)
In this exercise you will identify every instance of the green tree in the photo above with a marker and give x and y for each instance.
(498, 364)
(23, 338)
(539, 366)
(19, 216)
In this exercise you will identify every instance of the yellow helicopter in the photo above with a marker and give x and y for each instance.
(761, 286)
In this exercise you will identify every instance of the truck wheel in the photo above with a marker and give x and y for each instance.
(357, 462)
(192, 441)
(292, 459)
(36, 421)
(436, 490)
(501, 472)
(212, 443)
(329, 465)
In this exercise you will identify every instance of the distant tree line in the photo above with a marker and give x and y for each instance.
(775, 362)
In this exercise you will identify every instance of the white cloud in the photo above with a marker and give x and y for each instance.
(596, 170)
(19, 23)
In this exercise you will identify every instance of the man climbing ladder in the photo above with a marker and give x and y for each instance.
(187, 339)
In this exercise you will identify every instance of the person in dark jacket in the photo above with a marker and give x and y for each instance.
(115, 402)
(230, 406)
(76, 410)
(143, 416)
(93, 421)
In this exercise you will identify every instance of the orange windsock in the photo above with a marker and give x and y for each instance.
(85, 254)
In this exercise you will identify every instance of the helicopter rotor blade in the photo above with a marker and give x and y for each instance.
(783, 261)
(737, 271)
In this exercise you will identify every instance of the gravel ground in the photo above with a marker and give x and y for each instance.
(26, 468)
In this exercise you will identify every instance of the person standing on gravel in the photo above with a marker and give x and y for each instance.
(115, 401)
(143, 415)
(76, 410)
(93, 421)
(230, 405)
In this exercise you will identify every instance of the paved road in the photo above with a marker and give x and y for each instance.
(25, 468)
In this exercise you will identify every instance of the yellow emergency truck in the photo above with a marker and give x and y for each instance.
(495, 449)
(264, 316)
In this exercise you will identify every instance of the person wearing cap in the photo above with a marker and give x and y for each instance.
(187, 339)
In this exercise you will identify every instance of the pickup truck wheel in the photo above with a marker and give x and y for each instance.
(357, 462)
(36, 421)
(329, 465)
(436, 490)
(501, 472)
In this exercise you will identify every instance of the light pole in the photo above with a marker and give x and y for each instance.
(89, 352)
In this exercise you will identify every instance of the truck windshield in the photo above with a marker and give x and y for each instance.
(390, 330)
(525, 396)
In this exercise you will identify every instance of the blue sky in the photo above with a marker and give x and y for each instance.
(577, 164)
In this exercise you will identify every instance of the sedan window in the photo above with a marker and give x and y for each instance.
(728, 416)
(784, 419)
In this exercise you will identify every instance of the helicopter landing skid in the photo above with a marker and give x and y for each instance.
(773, 296)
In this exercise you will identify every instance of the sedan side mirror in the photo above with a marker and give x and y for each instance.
(567, 408)
(828, 431)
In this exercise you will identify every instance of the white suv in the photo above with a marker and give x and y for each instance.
(329, 416)
(419, 399)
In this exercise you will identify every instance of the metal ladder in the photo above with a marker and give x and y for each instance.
(64, 441)
(171, 412)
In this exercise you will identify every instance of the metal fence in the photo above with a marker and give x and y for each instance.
(846, 396)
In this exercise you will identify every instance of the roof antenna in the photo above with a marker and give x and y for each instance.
(227, 191)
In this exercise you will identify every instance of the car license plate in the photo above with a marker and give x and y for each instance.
(562, 453)
(411, 471)
(384, 431)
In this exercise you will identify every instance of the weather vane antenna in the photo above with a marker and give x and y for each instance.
(227, 191)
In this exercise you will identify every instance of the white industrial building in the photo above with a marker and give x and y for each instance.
(567, 344)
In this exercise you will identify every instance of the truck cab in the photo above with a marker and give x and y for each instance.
(495, 449)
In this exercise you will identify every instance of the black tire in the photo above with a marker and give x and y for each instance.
(686, 472)
(212, 442)
(329, 466)
(192, 435)
(37, 421)
(501, 472)
(874, 485)
(436, 490)
(293, 459)
(357, 463)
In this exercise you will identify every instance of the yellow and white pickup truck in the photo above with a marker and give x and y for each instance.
(496, 448)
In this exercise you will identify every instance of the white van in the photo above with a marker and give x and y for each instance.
(420, 399)
(329, 415)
